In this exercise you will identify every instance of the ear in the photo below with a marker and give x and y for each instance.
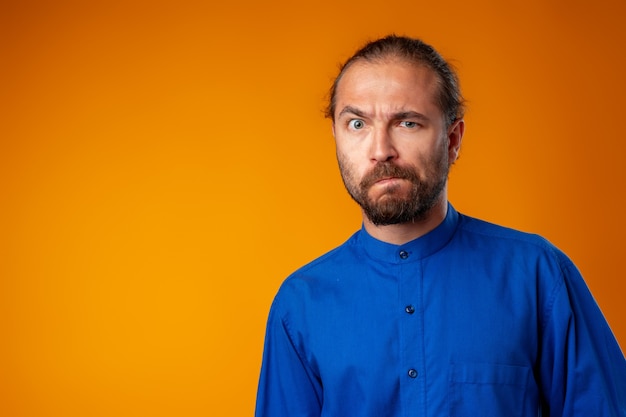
(455, 137)
(333, 128)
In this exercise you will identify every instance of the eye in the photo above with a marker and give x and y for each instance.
(356, 124)
(408, 124)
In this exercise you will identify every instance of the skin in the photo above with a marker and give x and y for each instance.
(386, 112)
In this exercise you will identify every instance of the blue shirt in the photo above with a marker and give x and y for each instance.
(471, 320)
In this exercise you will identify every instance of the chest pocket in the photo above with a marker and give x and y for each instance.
(480, 389)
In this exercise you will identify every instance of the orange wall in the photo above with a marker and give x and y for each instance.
(164, 166)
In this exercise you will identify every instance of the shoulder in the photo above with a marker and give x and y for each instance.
(320, 274)
(524, 254)
(528, 251)
(530, 262)
(331, 259)
(506, 238)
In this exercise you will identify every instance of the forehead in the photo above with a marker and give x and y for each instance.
(388, 85)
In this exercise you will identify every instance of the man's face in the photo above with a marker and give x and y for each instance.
(393, 148)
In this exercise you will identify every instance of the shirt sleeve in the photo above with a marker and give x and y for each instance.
(582, 369)
(287, 385)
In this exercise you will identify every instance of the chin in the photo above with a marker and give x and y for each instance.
(390, 193)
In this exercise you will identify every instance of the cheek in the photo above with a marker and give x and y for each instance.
(426, 160)
(348, 169)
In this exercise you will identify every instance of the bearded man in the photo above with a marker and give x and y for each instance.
(426, 311)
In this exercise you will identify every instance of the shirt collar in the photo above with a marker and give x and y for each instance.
(416, 249)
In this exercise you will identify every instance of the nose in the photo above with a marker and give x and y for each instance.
(382, 147)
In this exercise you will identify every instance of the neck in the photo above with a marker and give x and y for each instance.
(399, 234)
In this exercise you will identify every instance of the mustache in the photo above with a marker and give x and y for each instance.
(384, 170)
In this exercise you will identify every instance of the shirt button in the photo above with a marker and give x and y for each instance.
(412, 373)
(409, 309)
(404, 254)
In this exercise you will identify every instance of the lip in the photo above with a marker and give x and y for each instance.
(387, 181)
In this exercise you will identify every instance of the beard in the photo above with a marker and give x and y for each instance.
(395, 206)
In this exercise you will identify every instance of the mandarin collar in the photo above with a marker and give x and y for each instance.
(416, 249)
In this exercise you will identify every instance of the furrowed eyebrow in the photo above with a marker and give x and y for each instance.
(395, 116)
(351, 110)
(410, 115)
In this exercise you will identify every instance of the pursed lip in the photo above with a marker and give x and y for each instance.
(387, 179)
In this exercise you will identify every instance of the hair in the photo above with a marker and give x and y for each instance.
(449, 100)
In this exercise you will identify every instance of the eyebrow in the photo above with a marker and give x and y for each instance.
(395, 116)
(410, 115)
(352, 110)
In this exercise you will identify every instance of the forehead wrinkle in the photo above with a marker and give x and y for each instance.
(388, 79)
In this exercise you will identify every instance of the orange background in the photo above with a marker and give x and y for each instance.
(165, 165)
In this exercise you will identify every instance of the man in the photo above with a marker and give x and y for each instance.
(425, 311)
